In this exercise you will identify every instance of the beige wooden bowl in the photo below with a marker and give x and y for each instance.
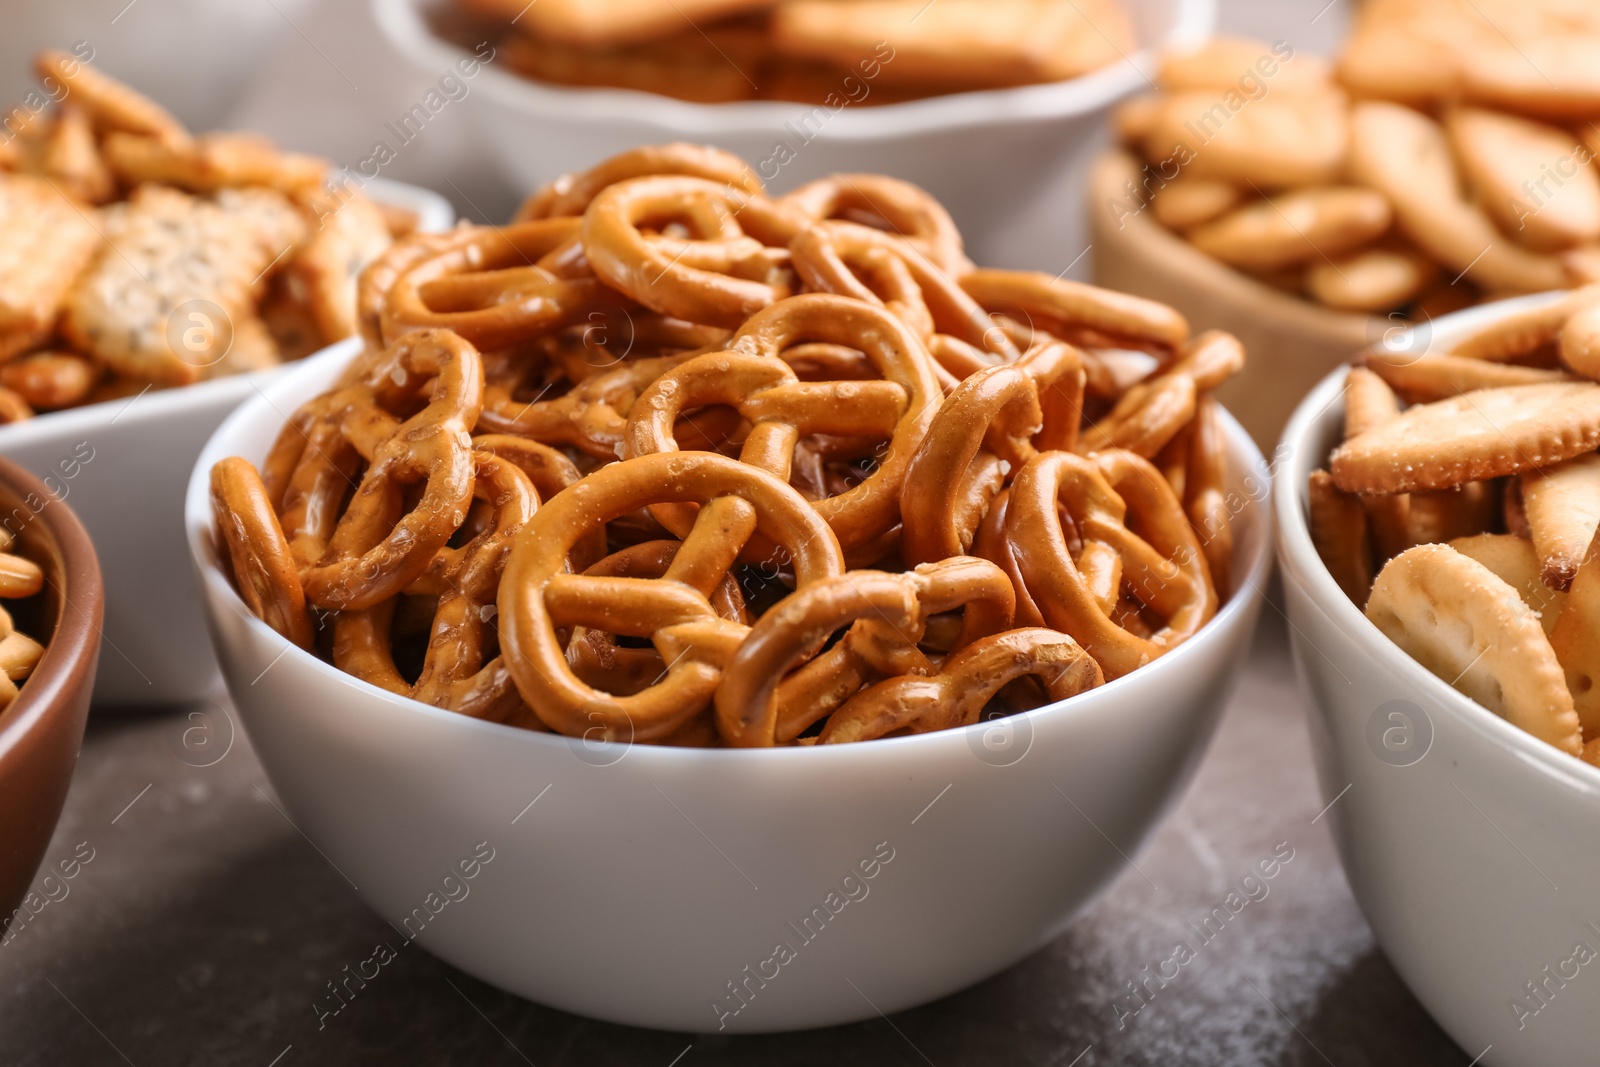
(1291, 343)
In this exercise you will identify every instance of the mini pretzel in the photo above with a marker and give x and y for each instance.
(457, 671)
(487, 285)
(753, 378)
(879, 268)
(571, 194)
(369, 555)
(987, 427)
(1161, 565)
(903, 208)
(1081, 314)
(263, 567)
(731, 266)
(760, 702)
(595, 656)
(537, 597)
(1151, 413)
(967, 681)
(1205, 491)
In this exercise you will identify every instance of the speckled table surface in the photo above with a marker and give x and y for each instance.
(202, 931)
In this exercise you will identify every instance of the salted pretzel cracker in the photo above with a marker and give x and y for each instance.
(752, 377)
(263, 567)
(488, 285)
(571, 194)
(763, 699)
(1152, 412)
(537, 596)
(1459, 620)
(964, 684)
(1339, 532)
(457, 671)
(379, 546)
(1514, 561)
(1162, 565)
(733, 264)
(1432, 376)
(885, 203)
(1510, 337)
(1068, 309)
(990, 425)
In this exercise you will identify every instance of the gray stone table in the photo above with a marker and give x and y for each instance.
(205, 927)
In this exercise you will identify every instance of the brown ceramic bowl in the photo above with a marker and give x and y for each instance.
(41, 731)
(1293, 343)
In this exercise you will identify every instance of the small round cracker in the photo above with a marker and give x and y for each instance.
(1374, 279)
(1514, 561)
(1485, 434)
(1458, 619)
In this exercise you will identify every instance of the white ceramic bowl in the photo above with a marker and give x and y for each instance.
(643, 879)
(123, 466)
(1009, 164)
(1473, 849)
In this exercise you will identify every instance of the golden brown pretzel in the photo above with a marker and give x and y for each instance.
(880, 268)
(263, 567)
(763, 700)
(1151, 413)
(492, 285)
(1085, 315)
(967, 681)
(992, 424)
(903, 208)
(1157, 560)
(378, 547)
(733, 263)
(458, 670)
(595, 656)
(538, 597)
(753, 378)
(571, 194)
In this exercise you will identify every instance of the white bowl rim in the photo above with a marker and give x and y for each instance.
(1298, 556)
(410, 35)
(434, 213)
(197, 518)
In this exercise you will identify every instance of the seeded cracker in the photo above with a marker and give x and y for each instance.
(45, 240)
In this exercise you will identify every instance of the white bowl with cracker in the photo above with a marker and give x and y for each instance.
(1471, 839)
(1006, 162)
(123, 465)
(941, 858)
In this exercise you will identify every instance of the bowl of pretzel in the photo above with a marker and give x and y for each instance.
(989, 104)
(1436, 509)
(150, 279)
(732, 570)
(1311, 205)
(51, 607)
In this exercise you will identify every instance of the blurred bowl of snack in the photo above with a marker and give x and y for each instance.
(932, 544)
(1436, 508)
(51, 605)
(151, 280)
(1311, 208)
(990, 106)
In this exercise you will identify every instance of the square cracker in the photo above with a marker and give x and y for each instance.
(958, 42)
(325, 270)
(46, 240)
(168, 249)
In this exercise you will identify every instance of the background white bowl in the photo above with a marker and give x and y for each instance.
(129, 494)
(1006, 163)
(1473, 849)
(642, 879)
